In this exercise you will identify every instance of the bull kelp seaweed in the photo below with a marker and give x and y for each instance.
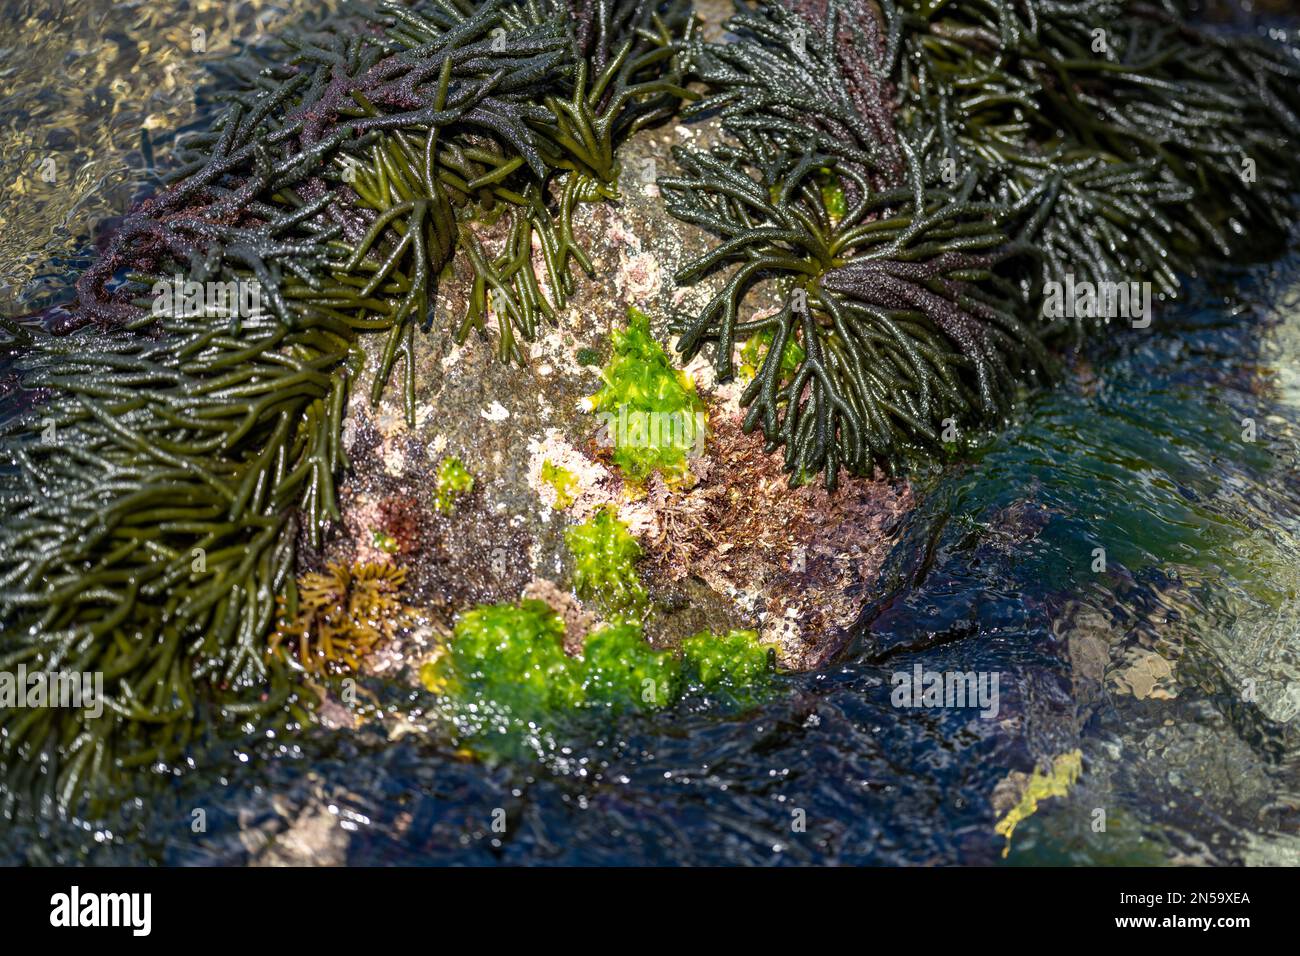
(911, 173)
(152, 503)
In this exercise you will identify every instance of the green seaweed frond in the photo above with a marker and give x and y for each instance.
(512, 655)
(622, 672)
(153, 502)
(384, 541)
(652, 414)
(604, 564)
(895, 300)
(452, 482)
(755, 349)
(907, 175)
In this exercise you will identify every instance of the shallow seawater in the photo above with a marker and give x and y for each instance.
(94, 94)
(1172, 669)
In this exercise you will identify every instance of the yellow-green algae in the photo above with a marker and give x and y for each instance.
(832, 190)
(623, 672)
(735, 660)
(755, 349)
(655, 417)
(506, 680)
(604, 564)
(510, 653)
(506, 676)
(562, 481)
(1043, 784)
(383, 541)
(452, 481)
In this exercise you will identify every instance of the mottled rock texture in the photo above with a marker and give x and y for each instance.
(737, 547)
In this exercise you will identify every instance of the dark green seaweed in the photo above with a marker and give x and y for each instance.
(152, 503)
(978, 147)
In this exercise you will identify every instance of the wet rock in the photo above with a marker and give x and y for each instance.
(313, 839)
(734, 546)
(577, 620)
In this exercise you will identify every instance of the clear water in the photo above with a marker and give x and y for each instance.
(1174, 671)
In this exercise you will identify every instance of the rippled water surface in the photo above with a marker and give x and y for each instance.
(1173, 671)
(94, 93)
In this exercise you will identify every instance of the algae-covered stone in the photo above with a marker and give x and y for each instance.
(604, 558)
(724, 543)
(649, 406)
(623, 672)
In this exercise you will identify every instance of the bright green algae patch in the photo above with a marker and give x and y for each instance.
(604, 559)
(512, 654)
(562, 481)
(654, 416)
(623, 672)
(506, 677)
(735, 660)
(507, 685)
(833, 198)
(384, 541)
(452, 482)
